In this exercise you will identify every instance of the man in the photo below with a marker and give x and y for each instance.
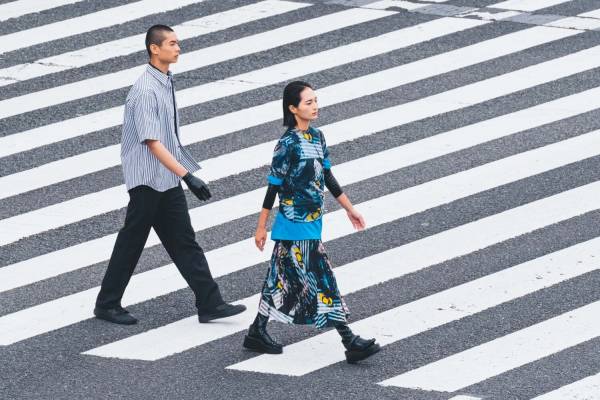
(153, 162)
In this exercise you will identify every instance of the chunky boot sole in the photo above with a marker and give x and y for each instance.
(257, 345)
(354, 356)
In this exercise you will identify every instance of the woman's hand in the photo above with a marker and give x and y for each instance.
(358, 222)
(260, 237)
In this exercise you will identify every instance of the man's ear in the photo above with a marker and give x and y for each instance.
(154, 48)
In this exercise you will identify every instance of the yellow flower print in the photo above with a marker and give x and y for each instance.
(298, 254)
(287, 202)
(314, 215)
(307, 136)
(328, 301)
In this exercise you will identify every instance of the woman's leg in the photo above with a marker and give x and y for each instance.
(357, 348)
(258, 339)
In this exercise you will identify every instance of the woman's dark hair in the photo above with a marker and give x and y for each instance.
(156, 35)
(291, 97)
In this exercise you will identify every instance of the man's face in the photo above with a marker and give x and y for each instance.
(168, 51)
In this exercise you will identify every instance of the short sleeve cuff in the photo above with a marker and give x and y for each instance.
(143, 136)
(326, 163)
(273, 180)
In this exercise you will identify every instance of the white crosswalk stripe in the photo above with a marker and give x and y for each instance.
(591, 14)
(190, 61)
(125, 46)
(584, 389)
(110, 156)
(160, 281)
(233, 163)
(505, 353)
(85, 254)
(512, 168)
(422, 69)
(16, 9)
(111, 117)
(527, 5)
(427, 313)
(358, 275)
(87, 23)
(463, 397)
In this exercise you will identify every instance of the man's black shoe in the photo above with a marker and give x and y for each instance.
(221, 311)
(117, 315)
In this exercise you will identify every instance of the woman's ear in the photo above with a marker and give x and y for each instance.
(292, 109)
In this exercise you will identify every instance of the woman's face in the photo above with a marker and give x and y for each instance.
(308, 108)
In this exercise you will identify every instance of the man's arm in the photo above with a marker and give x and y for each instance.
(166, 158)
(195, 184)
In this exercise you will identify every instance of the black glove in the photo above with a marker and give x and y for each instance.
(197, 186)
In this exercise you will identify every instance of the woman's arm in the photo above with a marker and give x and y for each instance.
(332, 184)
(355, 217)
(260, 237)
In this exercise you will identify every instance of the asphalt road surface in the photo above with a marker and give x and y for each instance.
(465, 131)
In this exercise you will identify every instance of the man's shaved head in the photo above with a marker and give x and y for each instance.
(156, 35)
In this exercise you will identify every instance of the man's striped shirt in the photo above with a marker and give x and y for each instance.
(151, 113)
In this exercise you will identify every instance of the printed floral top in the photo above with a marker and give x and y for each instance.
(297, 167)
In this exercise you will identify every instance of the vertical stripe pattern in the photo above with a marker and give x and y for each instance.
(151, 114)
(466, 135)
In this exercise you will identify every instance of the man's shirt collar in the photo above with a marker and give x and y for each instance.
(159, 75)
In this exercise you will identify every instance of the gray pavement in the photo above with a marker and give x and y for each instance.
(50, 365)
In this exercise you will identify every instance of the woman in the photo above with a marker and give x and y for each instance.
(300, 287)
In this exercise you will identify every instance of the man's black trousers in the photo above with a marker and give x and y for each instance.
(167, 213)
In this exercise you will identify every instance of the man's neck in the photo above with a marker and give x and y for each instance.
(162, 67)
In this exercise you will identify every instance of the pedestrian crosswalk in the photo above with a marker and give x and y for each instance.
(407, 320)
(190, 61)
(226, 210)
(508, 352)
(15, 9)
(428, 190)
(236, 162)
(586, 388)
(131, 44)
(85, 23)
(81, 125)
(455, 129)
(527, 5)
(107, 157)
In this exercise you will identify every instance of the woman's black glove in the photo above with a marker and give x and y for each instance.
(197, 186)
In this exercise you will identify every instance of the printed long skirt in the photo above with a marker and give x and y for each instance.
(300, 287)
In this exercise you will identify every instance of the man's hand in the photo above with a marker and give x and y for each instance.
(197, 186)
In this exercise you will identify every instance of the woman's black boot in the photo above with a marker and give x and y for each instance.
(257, 338)
(357, 348)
